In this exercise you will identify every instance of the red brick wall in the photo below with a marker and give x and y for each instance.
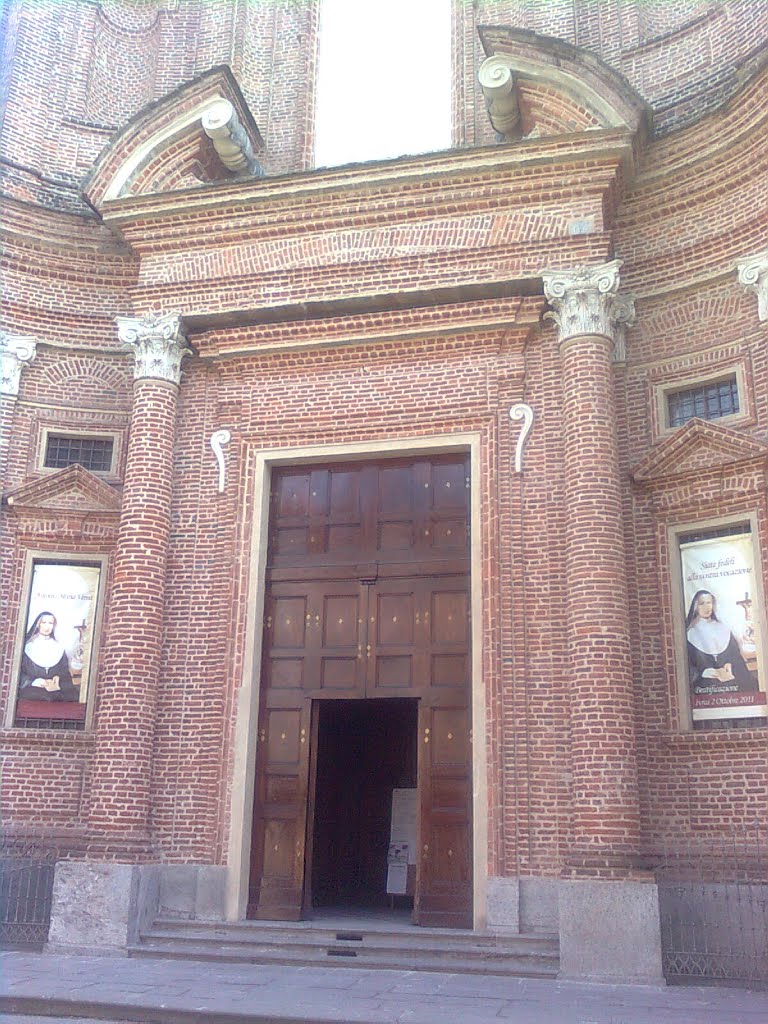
(304, 337)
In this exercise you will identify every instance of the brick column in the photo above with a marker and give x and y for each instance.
(127, 688)
(591, 316)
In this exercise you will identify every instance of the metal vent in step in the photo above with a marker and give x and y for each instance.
(341, 952)
(349, 937)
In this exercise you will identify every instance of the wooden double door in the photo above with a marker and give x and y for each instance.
(367, 598)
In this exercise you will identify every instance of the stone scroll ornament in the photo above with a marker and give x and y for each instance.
(753, 274)
(158, 342)
(523, 412)
(15, 352)
(218, 439)
(586, 301)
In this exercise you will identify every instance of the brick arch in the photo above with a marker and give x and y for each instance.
(548, 111)
(95, 376)
(190, 160)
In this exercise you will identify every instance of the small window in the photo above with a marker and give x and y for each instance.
(93, 453)
(708, 401)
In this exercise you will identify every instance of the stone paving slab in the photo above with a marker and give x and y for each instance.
(40, 988)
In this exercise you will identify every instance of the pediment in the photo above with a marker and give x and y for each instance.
(181, 141)
(698, 447)
(559, 88)
(73, 489)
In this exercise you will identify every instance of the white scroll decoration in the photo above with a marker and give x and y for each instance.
(15, 352)
(523, 412)
(218, 439)
(753, 274)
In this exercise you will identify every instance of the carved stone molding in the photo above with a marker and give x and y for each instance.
(753, 273)
(586, 301)
(222, 125)
(523, 412)
(498, 85)
(15, 351)
(159, 344)
(218, 439)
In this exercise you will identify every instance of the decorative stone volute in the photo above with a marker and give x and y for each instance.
(15, 351)
(586, 301)
(222, 125)
(753, 273)
(498, 85)
(159, 344)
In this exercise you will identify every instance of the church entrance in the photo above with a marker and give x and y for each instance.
(365, 689)
(366, 760)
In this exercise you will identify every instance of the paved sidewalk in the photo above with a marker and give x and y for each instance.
(187, 992)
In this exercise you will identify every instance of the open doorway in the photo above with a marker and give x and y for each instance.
(365, 750)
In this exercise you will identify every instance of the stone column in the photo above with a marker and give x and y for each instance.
(591, 317)
(127, 688)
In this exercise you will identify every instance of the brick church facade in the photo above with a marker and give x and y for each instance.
(463, 454)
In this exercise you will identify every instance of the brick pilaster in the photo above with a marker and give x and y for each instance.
(127, 687)
(590, 316)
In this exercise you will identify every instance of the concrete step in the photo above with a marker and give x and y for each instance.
(429, 950)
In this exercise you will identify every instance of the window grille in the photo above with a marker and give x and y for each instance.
(93, 453)
(708, 401)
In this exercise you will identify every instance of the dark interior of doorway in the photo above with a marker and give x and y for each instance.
(366, 748)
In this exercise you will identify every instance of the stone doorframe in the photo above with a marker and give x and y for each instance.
(244, 761)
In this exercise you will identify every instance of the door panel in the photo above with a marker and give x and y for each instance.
(396, 655)
(444, 870)
(349, 514)
(280, 813)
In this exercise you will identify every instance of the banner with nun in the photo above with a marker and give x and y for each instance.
(723, 642)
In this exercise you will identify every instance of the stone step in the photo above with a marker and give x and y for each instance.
(267, 933)
(534, 966)
(448, 950)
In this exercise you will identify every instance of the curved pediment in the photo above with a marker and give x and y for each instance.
(203, 131)
(699, 446)
(537, 85)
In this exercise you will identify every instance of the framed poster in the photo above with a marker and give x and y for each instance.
(56, 652)
(722, 607)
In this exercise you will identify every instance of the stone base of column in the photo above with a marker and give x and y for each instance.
(525, 905)
(610, 932)
(103, 908)
(100, 908)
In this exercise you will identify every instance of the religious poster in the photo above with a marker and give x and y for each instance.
(723, 642)
(57, 653)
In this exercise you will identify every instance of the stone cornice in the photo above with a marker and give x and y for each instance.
(753, 274)
(15, 352)
(586, 302)
(397, 177)
(158, 342)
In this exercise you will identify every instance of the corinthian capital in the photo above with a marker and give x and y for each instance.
(586, 301)
(753, 273)
(158, 342)
(15, 351)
